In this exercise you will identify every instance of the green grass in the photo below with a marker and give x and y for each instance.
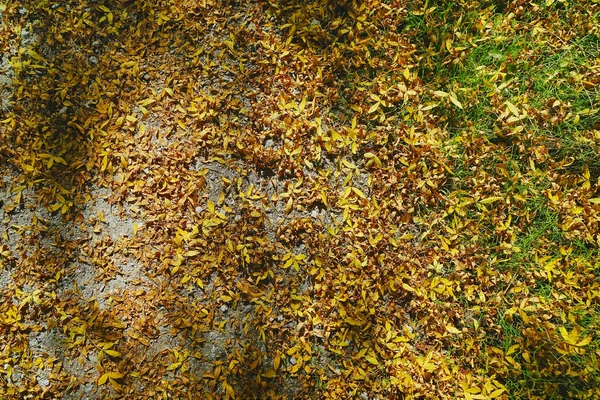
(510, 333)
(549, 76)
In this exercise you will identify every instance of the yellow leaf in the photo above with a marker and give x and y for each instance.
(496, 393)
(439, 93)
(277, 362)
(406, 287)
(429, 366)
(289, 262)
(102, 380)
(595, 200)
(353, 321)
(55, 207)
(229, 44)
(228, 390)
(372, 360)
(359, 192)
(512, 349)
(407, 236)
(490, 200)
(374, 240)
(454, 100)
(269, 374)
(359, 374)
(146, 102)
(376, 98)
(35, 55)
(584, 342)
(302, 104)
(452, 329)
(113, 353)
(288, 206)
(173, 366)
(373, 159)
(512, 108)
(296, 151)
(115, 375)
(373, 108)
(569, 338)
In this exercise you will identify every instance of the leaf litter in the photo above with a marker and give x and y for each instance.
(224, 199)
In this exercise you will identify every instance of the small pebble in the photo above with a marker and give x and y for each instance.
(93, 60)
(293, 360)
(43, 382)
(224, 308)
